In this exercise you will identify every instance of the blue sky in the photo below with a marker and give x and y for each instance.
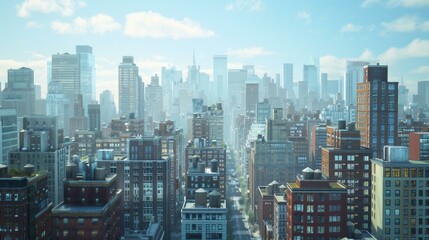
(263, 33)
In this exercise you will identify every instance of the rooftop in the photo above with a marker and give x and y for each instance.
(190, 204)
(84, 210)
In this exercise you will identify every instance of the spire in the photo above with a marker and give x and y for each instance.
(193, 56)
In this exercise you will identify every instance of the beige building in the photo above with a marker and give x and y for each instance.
(400, 199)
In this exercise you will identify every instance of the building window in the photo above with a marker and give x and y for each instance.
(80, 220)
(65, 220)
(387, 172)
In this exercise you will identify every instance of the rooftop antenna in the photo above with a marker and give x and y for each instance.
(193, 56)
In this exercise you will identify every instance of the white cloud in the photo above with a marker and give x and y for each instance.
(33, 24)
(248, 52)
(332, 65)
(366, 55)
(99, 24)
(424, 26)
(417, 48)
(350, 27)
(154, 25)
(421, 70)
(249, 5)
(408, 3)
(397, 3)
(402, 24)
(63, 7)
(367, 3)
(304, 15)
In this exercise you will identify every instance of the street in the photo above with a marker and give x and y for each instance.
(238, 221)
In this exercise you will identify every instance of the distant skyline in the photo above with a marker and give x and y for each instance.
(263, 33)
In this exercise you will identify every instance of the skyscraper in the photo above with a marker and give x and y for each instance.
(220, 76)
(344, 160)
(19, 92)
(288, 80)
(353, 76)
(58, 105)
(171, 79)
(154, 100)
(377, 109)
(86, 74)
(94, 123)
(324, 85)
(310, 76)
(8, 133)
(423, 93)
(252, 96)
(65, 70)
(128, 86)
(107, 106)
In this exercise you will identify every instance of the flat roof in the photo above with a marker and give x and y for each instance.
(190, 204)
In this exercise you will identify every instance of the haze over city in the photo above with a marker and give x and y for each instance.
(263, 33)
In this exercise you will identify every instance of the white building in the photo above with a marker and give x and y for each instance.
(202, 219)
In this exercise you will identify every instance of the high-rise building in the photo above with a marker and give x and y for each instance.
(107, 107)
(344, 160)
(288, 80)
(42, 145)
(269, 161)
(79, 121)
(423, 93)
(353, 76)
(236, 83)
(58, 105)
(310, 76)
(172, 142)
(199, 175)
(318, 140)
(315, 207)
(140, 114)
(215, 125)
(324, 85)
(208, 152)
(377, 109)
(265, 213)
(65, 70)
(92, 206)
(154, 105)
(171, 79)
(25, 209)
(19, 92)
(399, 195)
(94, 123)
(252, 96)
(128, 86)
(280, 215)
(202, 219)
(86, 74)
(145, 176)
(9, 133)
(193, 78)
(220, 77)
(263, 111)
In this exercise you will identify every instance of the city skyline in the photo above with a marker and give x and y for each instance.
(395, 33)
